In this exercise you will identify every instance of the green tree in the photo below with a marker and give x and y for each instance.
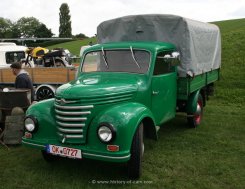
(24, 27)
(6, 27)
(81, 36)
(28, 26)
(65, 22)
(43, 31)
(32, 27)
(15, 32)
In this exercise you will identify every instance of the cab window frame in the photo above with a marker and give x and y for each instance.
(162, 67)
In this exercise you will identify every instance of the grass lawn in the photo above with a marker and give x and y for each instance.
(211, 156)
(74, 46)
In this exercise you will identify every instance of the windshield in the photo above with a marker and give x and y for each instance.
(133, 61)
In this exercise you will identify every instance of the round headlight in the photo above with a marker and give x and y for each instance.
(30, 124)
(106, 133)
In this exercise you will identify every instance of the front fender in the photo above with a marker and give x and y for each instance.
(125, 118)
(44, 113)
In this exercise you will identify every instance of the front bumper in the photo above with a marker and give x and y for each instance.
(86, 151)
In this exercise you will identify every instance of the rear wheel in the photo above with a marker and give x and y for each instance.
(44, 93)
(137, 151)
(194, 119)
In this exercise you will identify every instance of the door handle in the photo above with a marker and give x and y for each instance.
(155, 92)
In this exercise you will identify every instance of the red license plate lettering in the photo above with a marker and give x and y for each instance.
(55, 149)
(73, 153)
(64, 151)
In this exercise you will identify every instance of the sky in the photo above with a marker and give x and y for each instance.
(86, 15)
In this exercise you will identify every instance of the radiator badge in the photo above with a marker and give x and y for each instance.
(62, 101)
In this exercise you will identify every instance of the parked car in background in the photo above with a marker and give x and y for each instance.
(11, 53)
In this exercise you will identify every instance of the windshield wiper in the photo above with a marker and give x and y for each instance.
(132, 53)
(104, 57)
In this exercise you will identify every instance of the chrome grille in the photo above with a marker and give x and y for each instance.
(71, 120)
(74, 115)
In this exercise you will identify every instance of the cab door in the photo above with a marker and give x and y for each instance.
(164, 90)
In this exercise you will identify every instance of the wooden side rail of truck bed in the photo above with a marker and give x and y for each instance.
(41, 75)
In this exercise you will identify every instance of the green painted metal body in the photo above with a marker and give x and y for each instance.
(188, 85)
(122, 99)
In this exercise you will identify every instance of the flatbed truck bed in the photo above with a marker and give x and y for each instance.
(188, 85)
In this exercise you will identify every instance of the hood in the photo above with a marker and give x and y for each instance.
(96, 85)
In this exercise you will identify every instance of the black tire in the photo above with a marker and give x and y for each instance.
(194, 118)
(137, 151)
(44, 93)
(48, 157)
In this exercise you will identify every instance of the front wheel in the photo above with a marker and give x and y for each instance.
(137, 151)
(194, 119)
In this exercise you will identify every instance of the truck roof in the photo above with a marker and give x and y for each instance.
(147, 45)
(11, 48)
(199, 43)
(7, 44)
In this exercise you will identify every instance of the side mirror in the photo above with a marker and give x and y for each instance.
(173, 58)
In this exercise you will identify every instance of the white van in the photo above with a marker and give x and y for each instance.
(10, 53)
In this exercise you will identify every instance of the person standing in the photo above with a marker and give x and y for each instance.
(22, 80)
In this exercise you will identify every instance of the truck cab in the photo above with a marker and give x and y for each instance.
(142, 65)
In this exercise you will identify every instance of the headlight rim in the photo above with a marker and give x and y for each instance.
(35, 123)
(112, 129)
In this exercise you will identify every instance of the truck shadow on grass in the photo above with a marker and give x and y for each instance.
(87, 170)
(177, 125)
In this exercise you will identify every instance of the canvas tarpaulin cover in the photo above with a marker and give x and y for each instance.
(199, 43)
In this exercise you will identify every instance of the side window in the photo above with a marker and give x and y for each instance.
(161, 66)
(12, 57)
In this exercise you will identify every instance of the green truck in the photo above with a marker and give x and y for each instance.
(144, 70)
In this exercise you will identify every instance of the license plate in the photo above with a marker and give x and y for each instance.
(64, 151)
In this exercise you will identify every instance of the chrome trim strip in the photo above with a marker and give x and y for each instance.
(33, 144)
(88, 154)
(65, 101)
(74, 107)
(108, 157)
(70, 136)
(72, 113)
(70, 124)
(70, 130)
(71, 118)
